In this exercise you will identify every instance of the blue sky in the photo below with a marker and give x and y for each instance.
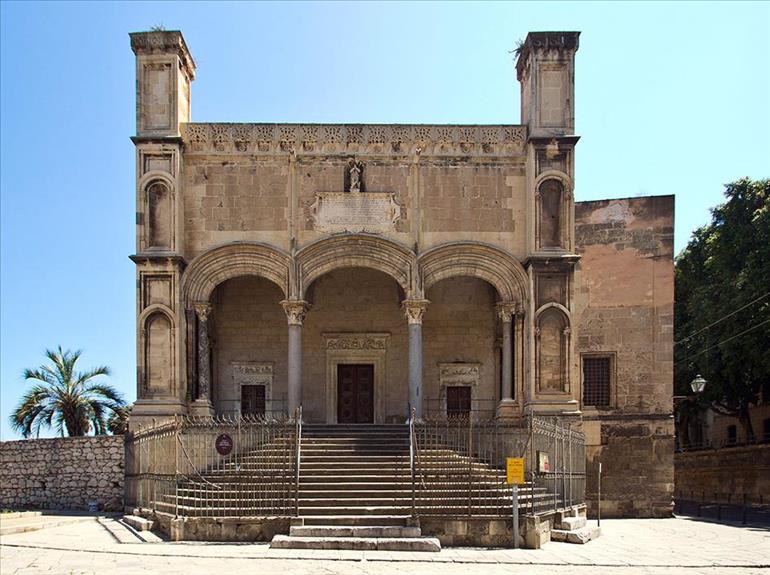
(670, 99)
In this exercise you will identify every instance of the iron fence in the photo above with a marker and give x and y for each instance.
(218, 466)
(458, 465)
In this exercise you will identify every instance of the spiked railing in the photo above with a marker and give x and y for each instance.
(178, 469)
(458, 465)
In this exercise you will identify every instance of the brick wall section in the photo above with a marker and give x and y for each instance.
(624, 307)
(64, 473)
(719, 475)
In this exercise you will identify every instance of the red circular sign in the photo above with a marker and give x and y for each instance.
(224, 444)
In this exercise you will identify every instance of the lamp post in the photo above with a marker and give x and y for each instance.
(698, 384)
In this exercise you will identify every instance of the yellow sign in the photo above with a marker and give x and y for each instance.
(514, 467)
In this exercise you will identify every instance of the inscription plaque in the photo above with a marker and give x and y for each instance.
(375, 212)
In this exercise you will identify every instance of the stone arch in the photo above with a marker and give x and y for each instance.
(355, 250)
(553, 191)
(552, 334)
(235, 259)
(479, 260)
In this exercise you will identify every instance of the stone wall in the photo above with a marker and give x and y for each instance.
(64, 473)
(724, 475)
(624, 310)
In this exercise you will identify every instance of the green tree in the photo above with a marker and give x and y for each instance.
(64, 399)
(722, 309)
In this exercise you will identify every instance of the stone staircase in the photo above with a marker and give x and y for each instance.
(355, 489)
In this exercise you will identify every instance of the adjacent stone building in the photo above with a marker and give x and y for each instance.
(365, 271)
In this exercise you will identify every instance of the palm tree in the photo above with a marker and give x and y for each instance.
(64, 399)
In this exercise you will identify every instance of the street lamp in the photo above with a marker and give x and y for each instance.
(698, 384)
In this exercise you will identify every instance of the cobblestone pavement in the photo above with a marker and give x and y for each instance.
(627, 547)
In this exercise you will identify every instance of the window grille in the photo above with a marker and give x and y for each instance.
(596, 381)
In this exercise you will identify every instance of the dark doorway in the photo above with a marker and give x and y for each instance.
(355, 393)
(458, 401)
(252, 400)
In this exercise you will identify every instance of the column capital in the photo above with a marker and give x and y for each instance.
(414, 309)
(202, 310)
(506, 311)
(295, 310)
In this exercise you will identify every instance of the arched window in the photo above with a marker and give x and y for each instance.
(551, 214)
(158, 215)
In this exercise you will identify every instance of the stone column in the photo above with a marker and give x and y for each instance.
(295, 313)
(505, 311)
(414, 310)
(202, 404)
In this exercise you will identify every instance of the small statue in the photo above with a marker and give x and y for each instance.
(355, 173)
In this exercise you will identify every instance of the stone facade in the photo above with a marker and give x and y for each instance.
(64, 473)
(624, 307)
(407, 249)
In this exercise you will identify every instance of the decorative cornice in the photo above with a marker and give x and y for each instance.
(390, 139)
(164, 42)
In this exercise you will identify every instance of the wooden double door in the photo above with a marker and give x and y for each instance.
(355, 393)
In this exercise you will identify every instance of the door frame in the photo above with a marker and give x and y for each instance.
(357, 365)
(355, 348)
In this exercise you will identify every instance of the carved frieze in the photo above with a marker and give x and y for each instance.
(458, 374)
(251, 373)
(355, 138)
(356, 341)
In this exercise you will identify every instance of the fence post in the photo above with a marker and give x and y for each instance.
(599, 497)
(470, 464)
(176, 467)
(532, 463)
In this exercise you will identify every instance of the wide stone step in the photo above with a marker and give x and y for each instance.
(429, 544)
(354, 531)
(372, 520)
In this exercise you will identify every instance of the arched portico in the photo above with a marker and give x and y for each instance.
(355, 250)
(222, 263)
(507, 276)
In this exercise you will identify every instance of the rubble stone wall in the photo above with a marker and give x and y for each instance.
(63, 473)
(724, 475)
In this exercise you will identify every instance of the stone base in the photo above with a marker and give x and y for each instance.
(508, 409)
(233, 529)
(201, 408)
(148, 412)
(470, 532)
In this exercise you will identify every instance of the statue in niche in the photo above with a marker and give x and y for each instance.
(354, 176)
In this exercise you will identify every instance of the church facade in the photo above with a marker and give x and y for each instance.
(367, 272)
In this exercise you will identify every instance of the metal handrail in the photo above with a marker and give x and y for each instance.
(411, 459)
(298, 439)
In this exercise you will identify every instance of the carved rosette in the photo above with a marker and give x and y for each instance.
(295, 310)
(414, 309)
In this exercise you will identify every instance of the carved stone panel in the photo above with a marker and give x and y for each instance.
(374, 212)
(459, 374)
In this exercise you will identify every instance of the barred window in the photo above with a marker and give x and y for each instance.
(596, 380)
